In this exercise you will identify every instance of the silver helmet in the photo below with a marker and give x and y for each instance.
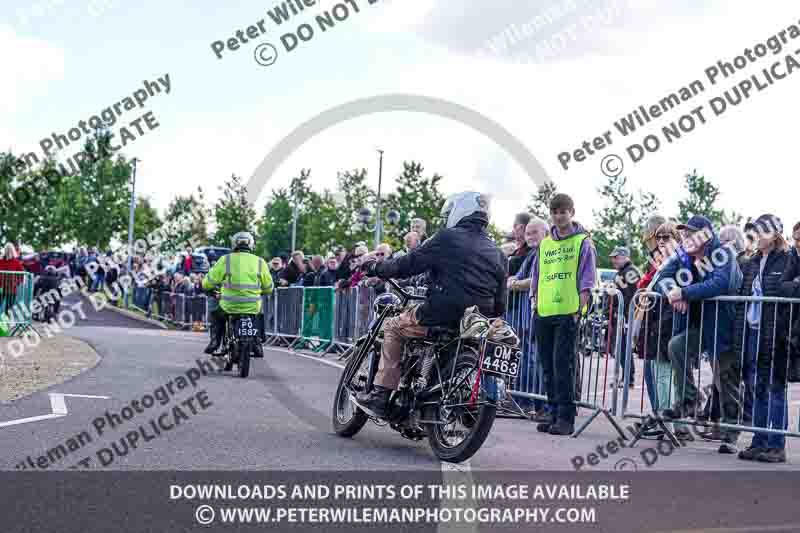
(461, 205)
(243, 241)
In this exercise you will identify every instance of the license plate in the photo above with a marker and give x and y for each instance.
(246, 327)
(501, 359)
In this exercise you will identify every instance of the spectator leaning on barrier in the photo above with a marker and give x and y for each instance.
(9, 282)
(535, 232)
(381, 254)
(275, 268)
(657, 329)
(790, 288)
(707, 270)
(420, 227)
(760, 333)
(626, 279)
(561, 282)
(327, 276)
(294, 271)
(522, 249)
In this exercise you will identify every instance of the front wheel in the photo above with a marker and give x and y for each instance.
(459, 430)
(348, 418)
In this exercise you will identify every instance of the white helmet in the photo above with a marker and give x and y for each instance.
(243, 241)
(461, 205)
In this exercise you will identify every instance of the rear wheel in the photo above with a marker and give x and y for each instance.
(348, 418)
(460, 429)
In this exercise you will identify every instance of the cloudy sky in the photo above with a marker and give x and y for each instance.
(553, 74)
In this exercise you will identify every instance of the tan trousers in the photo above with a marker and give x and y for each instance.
(396, 331)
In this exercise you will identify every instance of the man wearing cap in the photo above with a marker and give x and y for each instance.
(626, 280)
(703, 269)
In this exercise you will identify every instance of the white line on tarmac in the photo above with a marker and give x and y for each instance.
(57, 405)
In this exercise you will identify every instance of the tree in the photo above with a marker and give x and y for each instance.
(233, 212)
(701, 199)
(145, 218)
(99, 194)
(196, 207)
(355, 194)
(621, 221)
(415, 197)
(34, 208)
(540, 202)
(274, 227)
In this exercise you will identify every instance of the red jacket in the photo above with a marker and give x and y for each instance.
(9, 282)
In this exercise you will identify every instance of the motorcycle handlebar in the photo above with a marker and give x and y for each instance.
(407, 297)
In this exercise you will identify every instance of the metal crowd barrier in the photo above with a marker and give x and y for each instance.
(179, 309)
(745, 389)
(16, 297)
(289, 314)
(597, 345)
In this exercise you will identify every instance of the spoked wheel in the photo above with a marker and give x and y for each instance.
(348, 419)
(459, 429)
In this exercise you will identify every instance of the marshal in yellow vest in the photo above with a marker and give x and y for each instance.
(557, 290)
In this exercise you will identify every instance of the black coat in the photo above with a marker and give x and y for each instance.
(626, 280)
(774, 322)
(656, 330)
(790, 288)
(291, 273)
(326, 278)
(466, 267)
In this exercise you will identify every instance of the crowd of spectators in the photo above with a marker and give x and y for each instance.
(753, 349)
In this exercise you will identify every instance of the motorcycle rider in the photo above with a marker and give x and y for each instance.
(244, 278)
(46, 283)
(466, 268)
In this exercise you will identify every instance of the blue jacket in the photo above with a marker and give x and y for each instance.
(722, 278)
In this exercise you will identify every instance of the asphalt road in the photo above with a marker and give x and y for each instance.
(277, 419)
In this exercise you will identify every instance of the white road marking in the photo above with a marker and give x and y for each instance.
(57, 405)
(454, 474)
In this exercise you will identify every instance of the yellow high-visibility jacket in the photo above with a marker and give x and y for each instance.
(244, 278)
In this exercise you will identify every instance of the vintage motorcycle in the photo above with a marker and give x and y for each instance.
(451, 382)
(239, 341)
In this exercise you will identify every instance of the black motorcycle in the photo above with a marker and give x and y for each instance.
(449, 387)
(242, 334)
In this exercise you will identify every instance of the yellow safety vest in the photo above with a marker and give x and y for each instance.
(557, 289)
(244, 278)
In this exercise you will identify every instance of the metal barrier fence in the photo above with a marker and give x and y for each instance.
(16, 297)
(179, 309)
(738, 349)
(598, 341)
(289, 314)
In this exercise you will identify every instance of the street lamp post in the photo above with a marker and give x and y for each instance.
(130, 228)
(294, 226)
(379, 223)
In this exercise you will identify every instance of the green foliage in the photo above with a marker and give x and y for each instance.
(702, 196)
(194, 206)
(539, 205)
(233, 212)
(415, 197)
(621, 221)
(145, 218)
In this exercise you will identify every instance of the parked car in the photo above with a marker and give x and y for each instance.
(32, 263)
(213, 253)
(605, 276)
(199, 263)
(56, 259)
